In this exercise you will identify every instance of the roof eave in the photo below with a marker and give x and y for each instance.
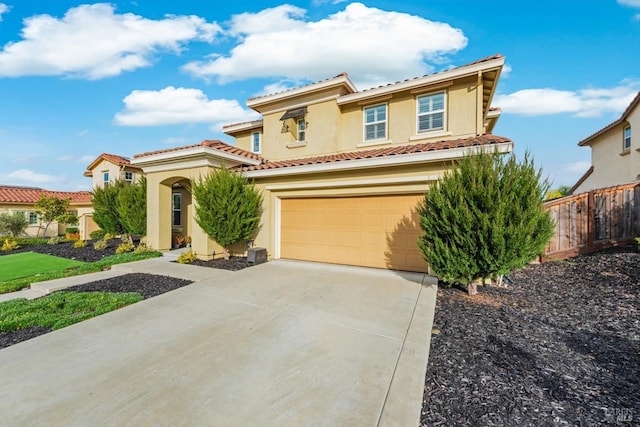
(198, 151)
(341, 80)
(456, 73)
(442, 155)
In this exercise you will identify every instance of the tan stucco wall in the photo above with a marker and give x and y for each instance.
(115, 173)
(611, 164)
(159, 212)
(336, 184)
(332, 128)
(54, 229)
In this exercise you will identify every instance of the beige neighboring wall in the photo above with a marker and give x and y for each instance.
(612, 165)
(115, 172)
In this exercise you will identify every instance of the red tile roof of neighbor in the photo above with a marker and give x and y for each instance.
(484, 139)
(622, 118)
(113, 158)
(30, 195)
(214, 143)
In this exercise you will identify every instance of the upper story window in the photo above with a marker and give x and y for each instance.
(431, 112)
(128, 176)
(626, 143)
(375, 122)
(302, 130)
(256, 142)
(105, 178)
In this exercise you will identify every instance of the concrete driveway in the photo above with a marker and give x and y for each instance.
(280, 344)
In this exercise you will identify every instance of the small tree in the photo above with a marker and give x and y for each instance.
(131, 204)
(484, 219)
(50, 208)
(105, 208)
(228, 207)
(13, 224)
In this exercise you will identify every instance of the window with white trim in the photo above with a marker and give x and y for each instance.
(256, 142)
(176, 209)
(431, 112)
(105, 178)
(302, 130)
(626, 143)
(128, 176)
(375, 122)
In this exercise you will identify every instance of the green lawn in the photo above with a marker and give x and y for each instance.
(31, 263)
(13, 285)
(60, 309)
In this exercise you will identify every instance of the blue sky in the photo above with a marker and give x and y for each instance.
(78, 79)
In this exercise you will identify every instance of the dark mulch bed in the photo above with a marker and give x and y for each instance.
(559, 346)
(234, 263)
(66, 250)
(147, 285)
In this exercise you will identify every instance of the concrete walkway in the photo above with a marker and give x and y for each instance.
(279, 344)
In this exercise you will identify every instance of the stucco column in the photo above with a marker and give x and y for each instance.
(158, 215)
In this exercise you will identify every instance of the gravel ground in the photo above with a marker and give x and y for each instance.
(66, 250)
(559, 346)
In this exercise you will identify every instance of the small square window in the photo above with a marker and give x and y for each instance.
(626, 145)
(375, 122)
(128, 176)
(431, 112)
(33, 218)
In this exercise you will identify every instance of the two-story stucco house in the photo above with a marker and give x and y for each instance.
(341, 170)
(105, 169)
(615, 152)
(23, 199)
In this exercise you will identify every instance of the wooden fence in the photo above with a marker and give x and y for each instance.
(594, 220)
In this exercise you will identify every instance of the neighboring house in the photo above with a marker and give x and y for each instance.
(108, 168)
(341, 170)
(23, 199)
(105, 170)
(615, 152)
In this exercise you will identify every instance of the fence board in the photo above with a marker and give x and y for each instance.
(594, 220)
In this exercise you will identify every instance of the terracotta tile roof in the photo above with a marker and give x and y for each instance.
(382, 152)
(622, 118)
(479, 61)
(113, 158)
(214, 143)
(30, 195)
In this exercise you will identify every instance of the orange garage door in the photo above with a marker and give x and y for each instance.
(371, 231)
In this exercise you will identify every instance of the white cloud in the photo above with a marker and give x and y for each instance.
(577, 167)
(3, 9)
(372, 45)
(277, 87)
(93, 42)
(581, 103)
(632, 3)
(27, 175)
(174, 140)
(171, 106)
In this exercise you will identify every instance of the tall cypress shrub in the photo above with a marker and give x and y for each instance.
(131, 204)
(228, 207)
(484, 219)
(105, 207)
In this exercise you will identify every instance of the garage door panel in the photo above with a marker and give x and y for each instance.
(372, 231)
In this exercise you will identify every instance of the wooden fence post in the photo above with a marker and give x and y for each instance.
(591, 220)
